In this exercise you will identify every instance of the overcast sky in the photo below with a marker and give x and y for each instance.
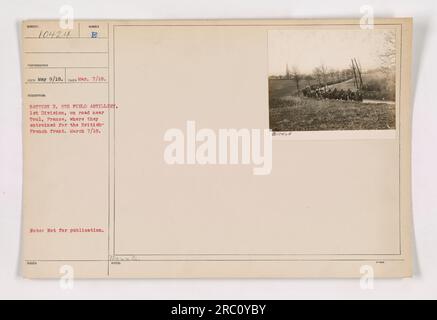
(307, 49)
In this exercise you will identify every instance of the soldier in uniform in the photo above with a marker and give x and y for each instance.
(335, 93)
(348, 94)
(342, 95)
(359, 96)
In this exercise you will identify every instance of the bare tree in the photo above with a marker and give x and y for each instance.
(331, 75)
(287, 72)
(318, 75)
(387, 55)
(324, 74)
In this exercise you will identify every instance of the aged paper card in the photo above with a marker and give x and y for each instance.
(246, 148)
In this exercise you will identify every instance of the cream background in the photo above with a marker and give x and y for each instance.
(321, 196)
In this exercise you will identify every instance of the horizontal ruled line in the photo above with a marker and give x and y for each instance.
(42, 67)
(211, 260)
(48, 52)
(65, 38)
(258, 254)
(61, 82)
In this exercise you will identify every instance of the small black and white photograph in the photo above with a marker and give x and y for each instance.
(332, 79)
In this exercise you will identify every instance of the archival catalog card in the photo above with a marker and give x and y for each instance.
(235, 148)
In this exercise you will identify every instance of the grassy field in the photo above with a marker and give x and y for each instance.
(307, 114)
(280, 89)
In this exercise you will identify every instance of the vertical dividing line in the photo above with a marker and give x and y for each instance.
(109, 161)
(399, 138)
(113, 152)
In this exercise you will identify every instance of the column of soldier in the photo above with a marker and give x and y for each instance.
(336, 94)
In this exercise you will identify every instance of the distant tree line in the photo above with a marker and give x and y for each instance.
(322, 75)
